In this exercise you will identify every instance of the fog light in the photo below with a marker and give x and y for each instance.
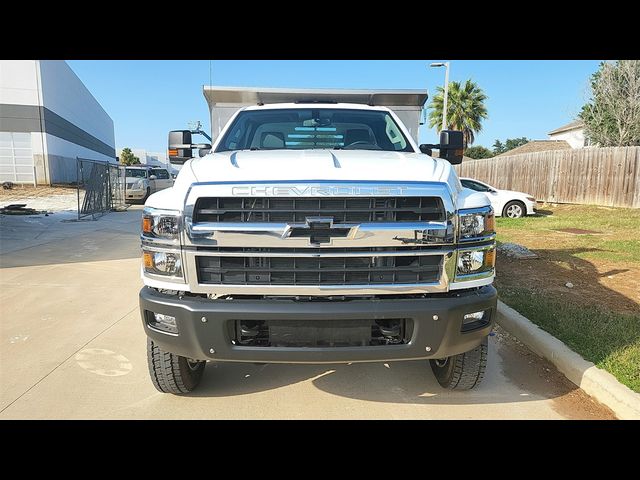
(472, 317)
(474, 320)
(162, 322)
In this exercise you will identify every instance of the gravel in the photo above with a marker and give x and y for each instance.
(516, 251)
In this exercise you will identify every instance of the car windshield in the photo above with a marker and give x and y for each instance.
(314, 128)
(477, 186)
(136, 173)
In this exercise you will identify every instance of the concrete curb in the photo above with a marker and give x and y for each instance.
(601, 385)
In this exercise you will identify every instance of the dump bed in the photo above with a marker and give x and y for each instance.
(225, 101)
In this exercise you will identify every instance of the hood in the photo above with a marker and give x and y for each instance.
(283, 165)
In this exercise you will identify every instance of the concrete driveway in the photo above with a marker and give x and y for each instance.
(72, 346)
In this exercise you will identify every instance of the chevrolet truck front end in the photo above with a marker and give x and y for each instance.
(318, 272)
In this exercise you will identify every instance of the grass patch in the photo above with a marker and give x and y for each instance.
(610, 340)
(587, 217)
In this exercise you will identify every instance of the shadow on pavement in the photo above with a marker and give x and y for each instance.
(39, 240)
(409, 382)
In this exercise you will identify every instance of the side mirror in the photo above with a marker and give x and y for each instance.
(426, 149)
(452, 146)
(179, 146)
(152, 177)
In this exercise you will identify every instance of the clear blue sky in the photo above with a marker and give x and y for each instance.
(146, 99)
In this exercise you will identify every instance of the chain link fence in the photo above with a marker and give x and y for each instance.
(101, 187)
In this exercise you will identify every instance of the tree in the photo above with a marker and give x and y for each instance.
(612, 114)
(128, 158)
(478, 152)
(509, 144)
(465, 109)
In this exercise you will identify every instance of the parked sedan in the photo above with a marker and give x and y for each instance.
(505, 203)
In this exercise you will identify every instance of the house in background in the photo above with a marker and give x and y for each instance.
(48, 117)
(572, 133)
(537, 146)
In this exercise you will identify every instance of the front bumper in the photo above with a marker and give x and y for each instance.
(135, 194)
(197, 339)
(531, 207)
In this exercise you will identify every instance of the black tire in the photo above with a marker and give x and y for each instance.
(172, 373)
(514, 209)
(464, 371)
(147, 195)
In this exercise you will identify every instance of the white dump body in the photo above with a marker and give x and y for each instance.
(225, 101)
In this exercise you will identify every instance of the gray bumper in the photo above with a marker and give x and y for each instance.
(196, 339)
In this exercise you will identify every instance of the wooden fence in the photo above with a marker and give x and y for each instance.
(597, 176)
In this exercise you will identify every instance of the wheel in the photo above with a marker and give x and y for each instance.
(464, 371)
(172, 373)
(514, 209)
(147, 195)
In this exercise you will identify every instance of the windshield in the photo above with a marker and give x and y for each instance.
(136, 172)
(477, 186)
(314, 128)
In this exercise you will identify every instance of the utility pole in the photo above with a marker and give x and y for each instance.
(446, 91)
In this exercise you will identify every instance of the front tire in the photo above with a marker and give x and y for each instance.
(463, 371)
(172, 373)
(514, 209)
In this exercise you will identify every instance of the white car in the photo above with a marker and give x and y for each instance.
(505, 203)
(143, 181)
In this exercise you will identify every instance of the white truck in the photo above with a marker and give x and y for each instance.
(315, 229)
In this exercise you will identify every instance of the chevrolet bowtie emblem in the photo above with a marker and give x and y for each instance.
(319, 230)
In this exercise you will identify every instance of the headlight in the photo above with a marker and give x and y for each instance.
(476, 261)
(162, 263)
(476, 223)
(531, 199)
(140, 184)
(159, 224)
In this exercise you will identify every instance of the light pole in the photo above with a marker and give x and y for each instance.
(446, 91)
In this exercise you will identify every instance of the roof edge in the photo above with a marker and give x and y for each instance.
(245, 96)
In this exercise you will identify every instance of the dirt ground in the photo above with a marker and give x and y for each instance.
(611, 283)
(29, 191)
(42, 197)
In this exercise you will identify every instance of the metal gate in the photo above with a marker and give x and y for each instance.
(100, 187)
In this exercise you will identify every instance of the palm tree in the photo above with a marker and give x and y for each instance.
(465, 109)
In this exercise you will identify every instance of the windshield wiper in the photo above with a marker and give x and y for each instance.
(254, 148)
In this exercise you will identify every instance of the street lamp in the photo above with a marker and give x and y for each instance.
(446, 91)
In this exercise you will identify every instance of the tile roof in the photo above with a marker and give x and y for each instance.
(537, 146)
(569, 126)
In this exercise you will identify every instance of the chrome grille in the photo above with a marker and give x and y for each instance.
(341, 209)
(316, 271)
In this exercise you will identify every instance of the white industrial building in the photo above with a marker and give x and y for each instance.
(47, 119)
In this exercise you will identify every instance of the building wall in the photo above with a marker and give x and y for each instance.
(21, 137)
(18, 83)
(575, 138)
(47, 119)
(65, 94)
